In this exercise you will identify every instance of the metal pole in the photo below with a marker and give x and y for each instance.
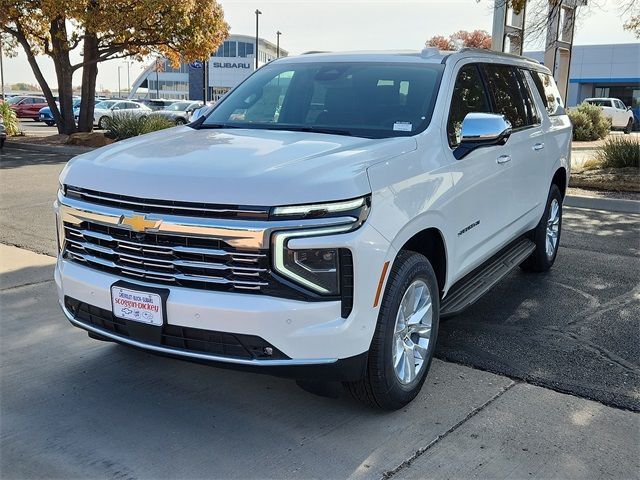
(204, 82)
(128, 81)
(157, 78)
(258, 12)
(278, 33)
(119, 90)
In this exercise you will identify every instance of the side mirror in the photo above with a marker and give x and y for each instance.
(482, 130)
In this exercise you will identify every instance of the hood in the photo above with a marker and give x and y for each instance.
(236, 167)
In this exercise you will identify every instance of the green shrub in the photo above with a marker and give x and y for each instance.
(589, 123)
(619, 152)
(10, 120)
(127, 125)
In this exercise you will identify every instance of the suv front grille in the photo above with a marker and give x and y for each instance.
(143, 205)
(186, 261)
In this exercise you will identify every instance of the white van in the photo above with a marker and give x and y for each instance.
(322, 218)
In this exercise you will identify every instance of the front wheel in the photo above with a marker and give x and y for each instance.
(102, 123)
(546, 235)
(404, 341)
(629, 126)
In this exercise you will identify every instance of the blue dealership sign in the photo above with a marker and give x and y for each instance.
(196, 64)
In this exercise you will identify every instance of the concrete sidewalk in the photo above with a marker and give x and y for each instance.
(74, 407)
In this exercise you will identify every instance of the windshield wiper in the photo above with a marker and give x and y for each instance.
(217, 125)
(313, 129)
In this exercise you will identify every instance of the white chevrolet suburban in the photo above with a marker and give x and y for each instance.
(320, 219)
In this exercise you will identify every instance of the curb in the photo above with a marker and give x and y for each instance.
(62, 149)
(607, 204)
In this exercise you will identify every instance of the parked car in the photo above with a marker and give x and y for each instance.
(3, 132)
(27, 106)
(109, 108)
(179, 112)
(156, 104)
(323, 217)
(618, 113)
(46, 116)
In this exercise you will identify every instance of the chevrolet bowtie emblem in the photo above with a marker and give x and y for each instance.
(140, 223)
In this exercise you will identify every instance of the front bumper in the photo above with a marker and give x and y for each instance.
(313, 337)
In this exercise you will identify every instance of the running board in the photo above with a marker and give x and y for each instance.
(468, 290)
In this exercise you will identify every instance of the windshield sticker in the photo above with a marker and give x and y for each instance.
(402, 127)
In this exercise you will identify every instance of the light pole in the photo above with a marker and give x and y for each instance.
(119, 89)
(128, 78)
(278, 33)
(258, 12)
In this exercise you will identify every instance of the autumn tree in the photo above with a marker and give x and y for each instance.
(462, 38)
(180, 30)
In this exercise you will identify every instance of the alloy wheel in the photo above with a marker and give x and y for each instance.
(553, 228)
(412, 332)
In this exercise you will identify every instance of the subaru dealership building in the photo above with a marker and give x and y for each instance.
(234, 61)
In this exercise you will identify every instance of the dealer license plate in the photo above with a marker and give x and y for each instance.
(143, 307)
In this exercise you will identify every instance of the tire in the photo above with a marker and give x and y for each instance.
(50, 124)
(102, 123)
(381, 386)
(36, 119)
(629, 126)
(180, 121)
(543, 259)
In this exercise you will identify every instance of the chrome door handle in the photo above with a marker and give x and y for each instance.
(538, 146)
(503, 159)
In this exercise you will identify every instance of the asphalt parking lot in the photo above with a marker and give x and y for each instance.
(75, 407)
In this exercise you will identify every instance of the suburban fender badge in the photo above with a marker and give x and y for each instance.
(139, 223)
(466, 229)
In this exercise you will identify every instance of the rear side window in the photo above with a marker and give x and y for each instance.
(527, 95)
(549, 92)
(469, 96)
(505, 87)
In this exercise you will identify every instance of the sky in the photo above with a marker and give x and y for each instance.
(336, 25)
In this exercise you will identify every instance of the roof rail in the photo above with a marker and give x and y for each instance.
(311, 52)
(500, 54)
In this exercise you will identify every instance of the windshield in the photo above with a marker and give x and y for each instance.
(105, 105)
(374, 100)
(178, 106)
(13, 100)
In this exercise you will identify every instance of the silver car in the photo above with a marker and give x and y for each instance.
(108, 108)
(179, 112)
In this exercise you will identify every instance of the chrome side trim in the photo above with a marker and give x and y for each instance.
(242, 234)
(200, 356)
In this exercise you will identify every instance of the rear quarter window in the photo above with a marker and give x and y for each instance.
(548, 91)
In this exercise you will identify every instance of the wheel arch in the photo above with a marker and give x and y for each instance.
(430, 243)
(560, 179)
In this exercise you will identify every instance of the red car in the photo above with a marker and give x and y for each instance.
(27, 106)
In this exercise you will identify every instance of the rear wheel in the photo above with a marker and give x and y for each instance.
(404, 341)
(50, 124)
(546, 235)
(102, 123)
(180, 121)
(629, 126)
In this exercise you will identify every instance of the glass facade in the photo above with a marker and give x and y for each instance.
(235, 49)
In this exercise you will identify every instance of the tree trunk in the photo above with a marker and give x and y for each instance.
(64, 73)
(46, 90)
(89, 76)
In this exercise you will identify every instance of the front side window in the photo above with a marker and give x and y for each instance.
(504, 86)
(469, 96)
(374, 100)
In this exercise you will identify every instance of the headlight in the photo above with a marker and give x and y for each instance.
(317, 269)
(358, 208)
